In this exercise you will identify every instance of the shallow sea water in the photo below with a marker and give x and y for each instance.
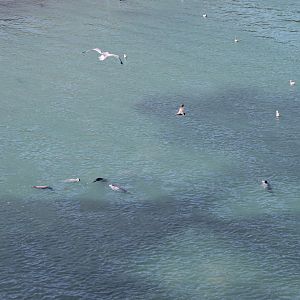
(196, 223)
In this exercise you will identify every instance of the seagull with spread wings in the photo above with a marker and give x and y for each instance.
(105, 54)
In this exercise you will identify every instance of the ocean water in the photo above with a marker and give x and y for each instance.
(196, 224)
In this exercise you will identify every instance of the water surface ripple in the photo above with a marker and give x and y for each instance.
(196, 224)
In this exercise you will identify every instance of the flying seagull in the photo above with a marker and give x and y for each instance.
(105, 55)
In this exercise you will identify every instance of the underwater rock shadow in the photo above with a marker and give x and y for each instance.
(115, 242)
(149, 224)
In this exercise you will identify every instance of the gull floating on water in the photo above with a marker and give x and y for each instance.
(266, 185)
(204, 15)
(104, 55)
(100, 179)
(115, 187)
(181, 110)
(292, 82)
(236, 40)
(72, 180)
(42, 187)
(277, 114)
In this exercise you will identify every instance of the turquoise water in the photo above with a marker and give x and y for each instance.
(196, 223)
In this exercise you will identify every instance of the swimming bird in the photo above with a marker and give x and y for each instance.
(266, 185)
(277, 114)
(236, 40)
(181, 110)
(100, 179)
(42, 187)
(72, 180)
(292, 82)
(204, 15)
(115, 187)
(105, 55)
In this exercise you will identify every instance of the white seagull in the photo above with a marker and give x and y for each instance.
(292, 82)
(72, 180)
(115, 187)
(106, 54)
(204, 16)
(236, 40)
(277, 114)
(42, 187)
(266, 185)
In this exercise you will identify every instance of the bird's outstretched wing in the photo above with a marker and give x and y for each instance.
(116, 56)
(106, 55)
(95, 49)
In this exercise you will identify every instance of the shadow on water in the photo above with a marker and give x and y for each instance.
(140, 233)
(238, 121)
(151, 222)
(94, 249)
(51, 248)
